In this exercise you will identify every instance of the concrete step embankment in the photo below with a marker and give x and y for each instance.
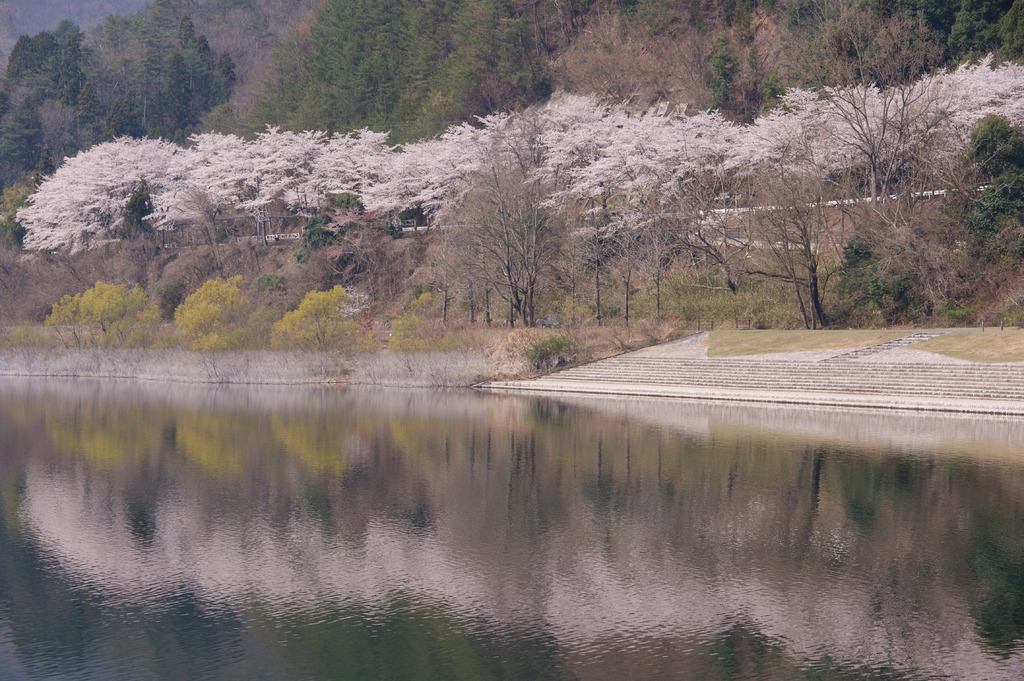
(945, 380)
(852, 381)
(870, 350)
(635, 363)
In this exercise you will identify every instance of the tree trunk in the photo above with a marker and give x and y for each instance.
(626, 280)
(873, 180)
(529, 318)
(800, 302)
(572, 295)
(657, 296)
(729, 280)
(814, 295)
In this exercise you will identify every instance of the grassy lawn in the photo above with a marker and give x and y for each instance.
(734, 343)
(977, 346)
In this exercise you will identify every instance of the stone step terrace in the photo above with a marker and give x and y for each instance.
(847, 379)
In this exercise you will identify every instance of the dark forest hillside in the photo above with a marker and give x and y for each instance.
(415, 67)
(159, 72)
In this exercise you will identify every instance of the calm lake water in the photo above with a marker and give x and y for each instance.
(167, 532)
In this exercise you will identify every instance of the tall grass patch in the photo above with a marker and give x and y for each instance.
(689, 296)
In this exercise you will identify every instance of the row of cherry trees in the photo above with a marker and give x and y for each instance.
(82, 203)
(518, 190)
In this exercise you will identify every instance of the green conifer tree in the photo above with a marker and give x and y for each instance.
(87, 110)
(123, 119)
(138, 208)
(223, 79)
(44, 167)
(177, 100)
(70, 78)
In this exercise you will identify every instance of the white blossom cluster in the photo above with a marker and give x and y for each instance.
(585, 152)
(81, 204)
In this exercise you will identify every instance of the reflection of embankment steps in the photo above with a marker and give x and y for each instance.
(836, 381)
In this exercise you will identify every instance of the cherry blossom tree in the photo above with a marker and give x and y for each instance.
(252, 175)
(82, 203)
(585, 160)
(299, 170)
(981, 89)
(351, 163)
(431, 174)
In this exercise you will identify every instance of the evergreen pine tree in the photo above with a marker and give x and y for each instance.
(223, 79)
(123, 119)
(32, 55)
(177, 99)
(21, 137)
(44, 167)
(186, 34)
(87, 110)
(138, 208)
(70, 78)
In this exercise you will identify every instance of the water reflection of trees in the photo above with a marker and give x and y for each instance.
(795, 549)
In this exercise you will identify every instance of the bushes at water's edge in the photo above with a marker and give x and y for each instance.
(217, 317)
(551, 352)
(435, 341)
(469, 357)
(107, 315)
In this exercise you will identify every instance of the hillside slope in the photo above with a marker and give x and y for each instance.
(27, 18)
(413, 68)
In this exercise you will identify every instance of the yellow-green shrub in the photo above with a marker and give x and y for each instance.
(216, 316)
(410, 331)
(112, 315)
(318, 323)
(26, 337)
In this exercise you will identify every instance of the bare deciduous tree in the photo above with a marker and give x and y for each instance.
(711, 230)
(796, 239)
(505, 218)
(658, 245)
(514, 233)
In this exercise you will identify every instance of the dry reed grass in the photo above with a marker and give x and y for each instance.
(467, 356)
(420, 369)
(267, 368)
